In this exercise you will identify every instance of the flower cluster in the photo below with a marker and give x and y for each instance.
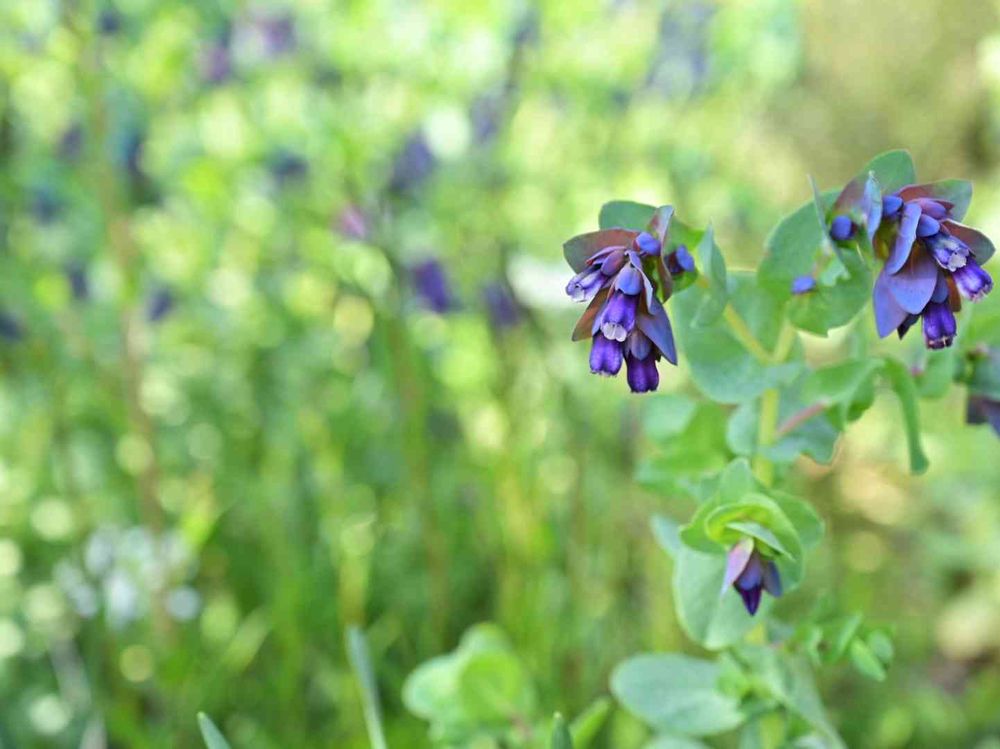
(626, 320)
(930, 260)
(751, 573)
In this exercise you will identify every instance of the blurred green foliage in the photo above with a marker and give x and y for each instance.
(230, 429)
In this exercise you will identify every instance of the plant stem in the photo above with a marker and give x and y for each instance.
(770, 401)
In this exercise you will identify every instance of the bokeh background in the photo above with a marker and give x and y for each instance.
(284, 348)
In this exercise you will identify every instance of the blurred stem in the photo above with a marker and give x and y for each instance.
(767, 427)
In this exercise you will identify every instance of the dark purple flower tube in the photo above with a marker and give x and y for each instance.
(750, 573)
(939, 325)
(605, 356)
(501, 305)
(972, 281)
(618, 316)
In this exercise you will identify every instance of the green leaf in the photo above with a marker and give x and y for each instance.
(675, 742)
(713, 268)
(357, 651)
(792, 247)
(720, 365)
(902, 383)
(840, 294)
(865, 660)
(881, 645)
(587, 724)
(893, 170)
(790, 682)
(494, 688)
(561, 738)
(625, 214)
(210, 734)
(480, 682)
(762, 311)
(712, 617)
(935, 378)
(676, 694)
(667, 534)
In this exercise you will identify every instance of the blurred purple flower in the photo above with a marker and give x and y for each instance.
(71, 142)
(215, 62)
(10, 328)
(160, 304)
(109, 21)
(79, 284)
(625, 320)
(501, 305)
(982, 409)
(277, 33)
(803, 285)
(931, 263)
(288, 167)
(680, 261)
(414, 164)
(352, 222)
(432, 286)
(750, 573)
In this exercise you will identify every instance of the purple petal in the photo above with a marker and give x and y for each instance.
(751, 599)
(647, 244)
(872, 206)
(978, 243)
(618, 316)
(752, 574)
(656, 325)
(927, 226)
(941, 290)
(951, 253)
(583, 286)
(772, 579)
(905, 237)
(629, 280)
(736, 561)
(939, 325)
(933, 208)
(605, 356)
(888, 314)
(613, 262)
(841, 229)
(913, 285)
(638, 344)
(891, 205)
(972, 281)
(643, 377)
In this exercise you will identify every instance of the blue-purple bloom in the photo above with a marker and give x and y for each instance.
(680, 261)
(841, 228)
(751, 573)
(803, 285)
(625, 320)
(432, 286)
(931, 263)
(982, 409)
(160, 304)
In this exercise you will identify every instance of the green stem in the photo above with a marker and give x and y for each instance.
(767, 426)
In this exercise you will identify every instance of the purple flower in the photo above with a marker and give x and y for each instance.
(10, 328)
(605, 356)
(931, 263)
(160, 304)
(501, 305)
(625, 320)
(803, 285)
(432, 286)
(680, 261)
(982, 409)
(750, 573)
(841, 229)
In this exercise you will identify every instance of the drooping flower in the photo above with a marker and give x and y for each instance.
(751, 573)
(983, 381)
(982, 409)
(432, 286)
(931, 262)
(625, 320)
